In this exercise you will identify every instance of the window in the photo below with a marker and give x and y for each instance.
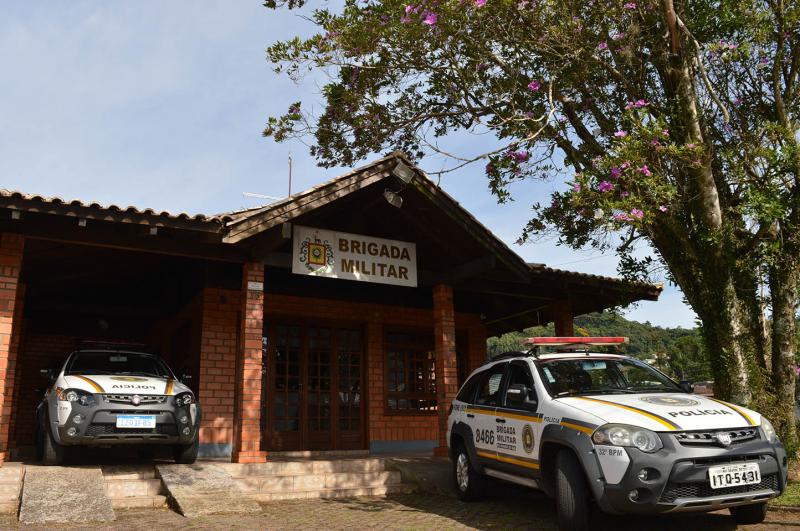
(489, 391)
(467, 392)
(518, 374)
(410, 372)
(602, 376)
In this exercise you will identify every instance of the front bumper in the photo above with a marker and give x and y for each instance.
(98, 427)
(681, 483)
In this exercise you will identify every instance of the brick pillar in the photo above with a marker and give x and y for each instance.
(476, 347)
(444, 331)
(562, 318)
(247, 437)
(11, 246)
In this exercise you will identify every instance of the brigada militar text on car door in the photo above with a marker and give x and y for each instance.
(113, 396)
(606, 430)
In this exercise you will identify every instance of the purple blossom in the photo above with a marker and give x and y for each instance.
(519, 156)
(665, 133)
(622, 216)
(294, 109)
(576, 187)
(737, 101)
(625, 165)
(616, 172)
(645, 170)
(618, 36)
(662, 208)
(534, 85)
(603, 45)
(623, 194)
(636, 213)
(480, 3)
(764, 61)
(605, 186)
(410, 8)
(621, 133)
(690, 146)
(430, 19)
(655, 142)
(630, 5)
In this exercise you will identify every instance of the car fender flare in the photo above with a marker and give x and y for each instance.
(464, 431)
(581, 445)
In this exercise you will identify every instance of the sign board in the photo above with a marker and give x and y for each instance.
(325, 253)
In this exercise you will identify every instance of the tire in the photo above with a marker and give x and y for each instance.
(47, 449)
(470, 484)
(186, 454)
(749, 514)
(572, 499)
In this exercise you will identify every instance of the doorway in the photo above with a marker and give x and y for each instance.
(313, 378)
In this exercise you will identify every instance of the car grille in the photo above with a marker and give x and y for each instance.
(705, 438)
(673, 491)
(143, 399)
(93, 430)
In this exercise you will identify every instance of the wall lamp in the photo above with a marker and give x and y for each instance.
(393, 198)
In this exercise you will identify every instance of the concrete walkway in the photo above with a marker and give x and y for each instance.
(64, 494)
(202, 489)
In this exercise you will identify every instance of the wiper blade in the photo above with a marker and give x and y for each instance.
(140, 373)
(595, 392)
(654, 390)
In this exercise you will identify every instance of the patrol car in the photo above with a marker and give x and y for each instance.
(609, 431)
(113, 396)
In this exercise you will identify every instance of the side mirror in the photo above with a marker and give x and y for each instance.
(185, 377)
(687, 386)
(518, 395)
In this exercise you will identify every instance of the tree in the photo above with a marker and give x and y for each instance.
(670, 122)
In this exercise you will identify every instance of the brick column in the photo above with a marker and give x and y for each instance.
(444, 331)
(11, 246)
(247, 437)
(562, 318)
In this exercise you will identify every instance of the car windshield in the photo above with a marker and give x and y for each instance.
(118, 363)
(583, 376)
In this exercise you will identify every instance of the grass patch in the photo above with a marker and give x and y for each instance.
(790, 497)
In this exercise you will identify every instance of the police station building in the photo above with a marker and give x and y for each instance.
(344, 317)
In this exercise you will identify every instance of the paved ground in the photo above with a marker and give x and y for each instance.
(414, 511)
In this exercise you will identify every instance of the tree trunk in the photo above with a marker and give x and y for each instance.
(783, 288)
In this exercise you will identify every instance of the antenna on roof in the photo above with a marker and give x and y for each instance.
(290, 174)
(262, 196)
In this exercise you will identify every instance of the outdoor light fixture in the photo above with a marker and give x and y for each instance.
(403, 172)
(16, 214)
(82, 222)
(153, 231)
(393, 198)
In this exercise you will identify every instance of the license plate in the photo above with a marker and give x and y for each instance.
(734, 475)
(136, 421)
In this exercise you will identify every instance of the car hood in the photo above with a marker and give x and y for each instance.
(665, 411)
(111, 384)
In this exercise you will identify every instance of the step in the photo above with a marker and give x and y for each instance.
(9, 507)
(127, 488)
(384, 490)
(10, 491)
(202, 488)
(129, 471)
(310, 466)
(157, 501)
(304, 483)
(318, 454)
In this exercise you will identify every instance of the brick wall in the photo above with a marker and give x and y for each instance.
(444, 335)
(11, 246)
(377, 318)
(219, 340)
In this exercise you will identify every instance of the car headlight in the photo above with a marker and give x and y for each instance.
(769, 431)
(184, 399)
(76, 395)
(623, 435)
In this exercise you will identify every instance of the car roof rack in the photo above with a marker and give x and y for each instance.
(578, 341)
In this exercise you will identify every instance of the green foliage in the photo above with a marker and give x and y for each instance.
(677, 351)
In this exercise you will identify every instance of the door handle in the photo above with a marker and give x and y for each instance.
(470, 416)
(500, 421)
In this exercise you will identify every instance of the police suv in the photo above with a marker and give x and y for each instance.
(112, 396)
(609, 430)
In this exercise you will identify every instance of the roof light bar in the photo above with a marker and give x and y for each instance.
(561, 341)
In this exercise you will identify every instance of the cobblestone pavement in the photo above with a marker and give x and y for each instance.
(413, 512)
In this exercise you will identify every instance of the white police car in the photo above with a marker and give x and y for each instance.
(610, 430)
(111, 396)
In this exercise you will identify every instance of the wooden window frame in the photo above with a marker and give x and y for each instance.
(387, 345)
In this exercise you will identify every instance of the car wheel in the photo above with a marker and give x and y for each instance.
(749, 514)
(572, 499)
(470, 484)
(51, 453)
(186, 454)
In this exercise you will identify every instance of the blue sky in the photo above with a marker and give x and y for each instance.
(162, 104)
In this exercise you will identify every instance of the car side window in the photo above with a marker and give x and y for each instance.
(519, 374)
(467, 393)
(489, 391)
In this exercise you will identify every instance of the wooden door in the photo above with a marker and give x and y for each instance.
(313, 398)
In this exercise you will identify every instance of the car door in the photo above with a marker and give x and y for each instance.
(481, 415)
(518, 423)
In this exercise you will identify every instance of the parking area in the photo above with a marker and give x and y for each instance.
(413, 511)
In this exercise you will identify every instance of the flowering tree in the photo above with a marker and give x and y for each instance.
(673, 122)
